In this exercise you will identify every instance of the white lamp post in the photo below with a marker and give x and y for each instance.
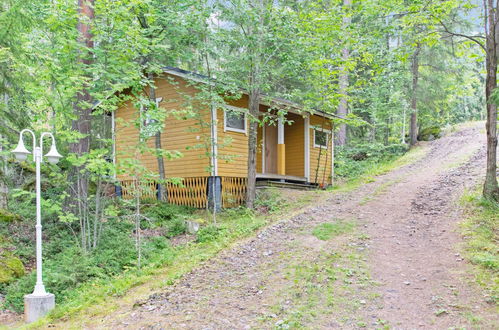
(39, 302)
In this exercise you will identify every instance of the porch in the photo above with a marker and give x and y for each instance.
(279, 177)
(282, 152)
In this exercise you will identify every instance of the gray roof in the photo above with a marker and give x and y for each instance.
(205, 79)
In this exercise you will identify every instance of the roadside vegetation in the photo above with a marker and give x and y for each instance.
(168, 251)
(481, 247)
(83, 284)
(373, 165)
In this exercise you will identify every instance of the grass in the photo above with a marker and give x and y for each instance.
(100, 297)
(326, 231)
(481, 232)
(315, 288)
(376, 169)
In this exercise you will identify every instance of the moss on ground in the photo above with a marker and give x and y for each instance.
(11, 267)
(7, 216)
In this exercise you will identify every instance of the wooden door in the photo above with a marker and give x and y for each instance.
(271, 149)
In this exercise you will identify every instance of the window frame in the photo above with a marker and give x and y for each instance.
(227, 108)
(328, 134)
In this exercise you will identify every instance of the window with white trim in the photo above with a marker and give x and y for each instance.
(235, 120)
(321, 138)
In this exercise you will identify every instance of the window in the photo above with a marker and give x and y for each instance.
(321, 138)
(235, 120)
(148, 125)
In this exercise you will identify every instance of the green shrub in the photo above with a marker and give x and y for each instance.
(269, 200)
(430, 133)
(480, 230)
(208, 233)
(352, 161)
(6, 216)
(162, 213)
(176, 227)
(11, 267)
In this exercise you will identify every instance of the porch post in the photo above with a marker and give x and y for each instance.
(281, 148)
(307, 147)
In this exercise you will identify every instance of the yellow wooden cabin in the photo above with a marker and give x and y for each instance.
(295, 149)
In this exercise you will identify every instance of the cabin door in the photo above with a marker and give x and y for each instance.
(271, 149)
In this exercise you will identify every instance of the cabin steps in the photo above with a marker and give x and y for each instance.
(289, 185)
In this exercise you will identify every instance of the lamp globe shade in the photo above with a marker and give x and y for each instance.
(20, 151)
(53, 155)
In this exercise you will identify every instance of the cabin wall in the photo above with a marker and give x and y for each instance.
(259, 155)
(189, 136)
(294, 140)
(232, 146)
(320, 160)
(180, 133)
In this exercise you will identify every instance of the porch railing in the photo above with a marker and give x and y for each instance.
(233, 191)
(193, 191)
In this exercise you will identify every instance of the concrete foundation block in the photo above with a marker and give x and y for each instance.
(36, 307)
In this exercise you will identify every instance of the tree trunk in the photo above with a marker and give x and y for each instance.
(78, 189)
(343, 84)
(490, 187)
(157, 144)
(4, 193)
(413, 129)
(254, 106)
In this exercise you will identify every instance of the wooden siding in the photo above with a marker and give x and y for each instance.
(187, 135)
(294, 139)
(325, 158)
(232, 149)
(233, 146)
(180, 133)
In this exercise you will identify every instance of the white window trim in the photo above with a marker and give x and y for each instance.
(328, 132)
(307, 147)
(214, 137)
(237, 130)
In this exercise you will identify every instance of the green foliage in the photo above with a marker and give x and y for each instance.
(430, 133)
(269, 200)
(481, 234)
(326, 231)
(68, 267)
(11, 267)
(162, 213)
(169, 216)
(176, 227)
(209, 233)
(7, 216)
(353, 161)
(280, 48)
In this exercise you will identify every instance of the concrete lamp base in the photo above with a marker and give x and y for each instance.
(36, 307)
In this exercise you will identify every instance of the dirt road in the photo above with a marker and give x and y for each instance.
(392, 261)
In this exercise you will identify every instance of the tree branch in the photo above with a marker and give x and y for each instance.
(474, 38)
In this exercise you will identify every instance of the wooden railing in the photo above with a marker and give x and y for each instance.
(233, 191)
(146, 189)
(193, 191)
